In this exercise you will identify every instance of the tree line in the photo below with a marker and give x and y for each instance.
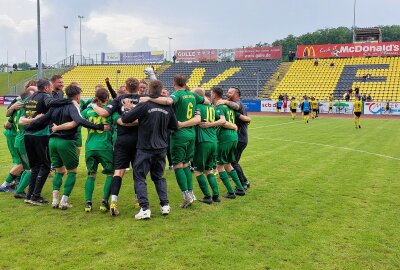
(337, 35)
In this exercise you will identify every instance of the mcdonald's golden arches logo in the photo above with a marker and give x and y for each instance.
(309, 52)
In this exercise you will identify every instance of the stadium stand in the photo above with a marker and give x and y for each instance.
(89, 76)
(304, 78)
(242, 74)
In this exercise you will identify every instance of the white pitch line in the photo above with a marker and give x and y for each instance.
(331, 146)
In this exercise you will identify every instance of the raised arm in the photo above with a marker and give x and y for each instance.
(135, 123)
(133, 114)
(231, 104)
(229, 125)
(191, 122)
(110, 89)
(244, 118)
(160, 100)
(65, 126)
(50, 101)
(76, 117)
(38, 122)
(15, 106)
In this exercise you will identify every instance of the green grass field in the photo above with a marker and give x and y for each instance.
(323, 196)
(15, 77)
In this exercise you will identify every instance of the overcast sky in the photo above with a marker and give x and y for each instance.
(131, 25)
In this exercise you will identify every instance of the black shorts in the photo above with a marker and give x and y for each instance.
(306, 113)
(279, 108)
(124, 152)
(358, 114)
(293, 110)
(330, 108)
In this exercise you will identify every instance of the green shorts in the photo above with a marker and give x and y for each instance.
(226, 152)
(104, 157)
(204, 156)
(79, 139)
(63, 153)
(13, 150)
(23, 156)
(181, 151)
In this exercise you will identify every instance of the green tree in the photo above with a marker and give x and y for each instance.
(24, 66)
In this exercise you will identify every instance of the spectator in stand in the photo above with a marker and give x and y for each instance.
(364, 98)
(174, 58)
(332, 65)
(347, 97)
(369, 98)
(316, 63)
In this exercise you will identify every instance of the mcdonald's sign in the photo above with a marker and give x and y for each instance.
(309, 52)
(349, 50)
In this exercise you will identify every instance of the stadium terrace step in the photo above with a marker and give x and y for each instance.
(274, 81)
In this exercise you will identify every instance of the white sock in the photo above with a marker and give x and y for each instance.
(64, 199)
(114, 198)
(5, 184)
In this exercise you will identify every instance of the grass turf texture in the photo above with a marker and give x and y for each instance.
(311, 206)
(15, 77)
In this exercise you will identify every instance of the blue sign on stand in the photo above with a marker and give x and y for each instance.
(252, 105)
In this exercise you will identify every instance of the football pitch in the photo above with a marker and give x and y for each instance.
(323, 196)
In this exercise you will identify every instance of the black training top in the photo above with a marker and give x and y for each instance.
(61, 115)
(116, 105)
(58, 94)
(242, 126)
(154, 122)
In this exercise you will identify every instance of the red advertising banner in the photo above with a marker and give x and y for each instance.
(348, 50)
(196, 55)
(1, 100)
(259, 53)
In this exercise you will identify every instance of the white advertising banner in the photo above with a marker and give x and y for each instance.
(112, 57)
(343, 107)
(268, 106)
(374, 107)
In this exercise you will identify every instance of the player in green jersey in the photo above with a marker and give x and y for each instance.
(206, 149)
(227, 142)
(11, 133)
(99, 149)
(62, 144)
(20, 146)
(183, 140)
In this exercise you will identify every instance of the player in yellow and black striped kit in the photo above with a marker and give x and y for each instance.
(357, 109)
(293, 107)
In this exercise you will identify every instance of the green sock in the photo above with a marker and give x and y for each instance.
(69, 183)
(213, 184)
(189, 178)
(89, 188)
(225, 180)
(203, 185)
(57, 180)
(107, 188)
(10, 178)
(236, 179)
(25, 179)
(181, 178)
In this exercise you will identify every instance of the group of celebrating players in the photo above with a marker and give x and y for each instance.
(138, 126)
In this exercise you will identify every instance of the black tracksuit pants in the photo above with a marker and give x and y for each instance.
(37, 149)
(153, 161)
(239, 150)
